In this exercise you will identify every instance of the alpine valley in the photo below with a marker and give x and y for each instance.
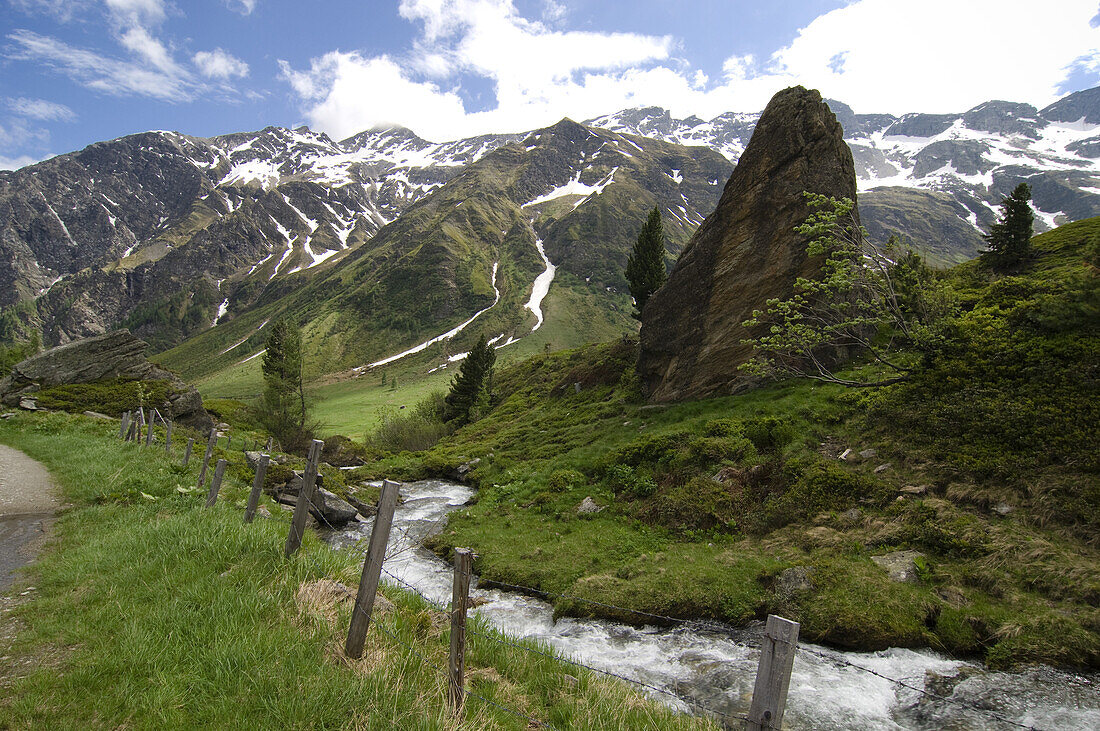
(385, 242)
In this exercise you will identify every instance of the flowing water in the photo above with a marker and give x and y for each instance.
(717, 666)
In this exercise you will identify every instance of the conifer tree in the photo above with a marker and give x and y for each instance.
(283, 406)
(1009, 239)
(645, 269)
(471, 387)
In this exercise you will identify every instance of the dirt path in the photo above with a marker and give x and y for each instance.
(27, 505)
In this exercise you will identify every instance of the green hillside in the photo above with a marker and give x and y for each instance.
(985, 464)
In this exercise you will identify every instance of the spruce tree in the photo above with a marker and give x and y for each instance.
(645, 268)
(471, 387)
(1009, 239)
(283, 406)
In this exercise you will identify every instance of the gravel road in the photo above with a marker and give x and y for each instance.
(27, 505)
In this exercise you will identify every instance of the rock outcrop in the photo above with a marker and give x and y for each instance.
(117, 355)
(744, 253)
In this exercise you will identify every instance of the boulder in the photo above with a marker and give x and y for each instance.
(744, 253)
(794, 580)
(328, 509)
(464, 469)
(116, 355)
(901, 565)
(588, 506)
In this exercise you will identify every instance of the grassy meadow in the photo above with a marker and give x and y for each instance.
(149, 611)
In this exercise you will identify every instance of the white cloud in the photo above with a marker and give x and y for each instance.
(14, 163)
(98, 72)
(244, 7)
(875, 55)
(41, 109)
(63, 10)
(220, 64)
(352, 93)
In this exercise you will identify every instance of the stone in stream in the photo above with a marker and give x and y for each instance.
(744, 253)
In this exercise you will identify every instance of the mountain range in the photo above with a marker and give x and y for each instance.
(384, 241)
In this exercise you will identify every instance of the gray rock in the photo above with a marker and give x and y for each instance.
(868, 453)
(116, 355)
(28, 404)
(8, 415)
(793, 580)
(97, 415)
(882, 468)
(1003, 508)
(464, 469)
(253, 459)
(900, 565)
(853, 515)
(333, 510)
(914, 490)
(848, 455)
(747, 251)
(588, 506)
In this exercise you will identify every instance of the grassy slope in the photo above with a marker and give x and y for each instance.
(151, 612)
(1006, 418)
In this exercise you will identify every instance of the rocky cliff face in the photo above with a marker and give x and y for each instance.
(114, 356)
(745, 252)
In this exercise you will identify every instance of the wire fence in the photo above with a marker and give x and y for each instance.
(406, 544)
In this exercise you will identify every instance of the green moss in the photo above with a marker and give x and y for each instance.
(109, 397)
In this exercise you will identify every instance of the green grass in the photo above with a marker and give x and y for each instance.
(152, 612)
(706, 503)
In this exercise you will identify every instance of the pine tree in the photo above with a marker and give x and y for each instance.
(283, 406)
(1009, 239)
(471, 388)
(645, 269)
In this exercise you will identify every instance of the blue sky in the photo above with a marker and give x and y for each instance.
(76, 71)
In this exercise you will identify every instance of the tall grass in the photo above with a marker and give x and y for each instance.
(151, 612)
(412, 430)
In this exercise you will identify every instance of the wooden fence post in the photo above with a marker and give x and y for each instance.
(305, 497)
(372, 571)
(168, 437)
(140, 424)
(773, 676)
(132, 431)
(268, 447)
(216, 483)
(209, 453)
(456, 665)
(257, 486)
(149, 431)
(124, 422)
(187, 452)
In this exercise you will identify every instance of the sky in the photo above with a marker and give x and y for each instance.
(73, 72)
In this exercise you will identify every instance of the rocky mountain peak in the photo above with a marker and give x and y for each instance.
(745, 252)
(1077, 106)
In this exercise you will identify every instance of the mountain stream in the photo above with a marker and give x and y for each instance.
(718, 667)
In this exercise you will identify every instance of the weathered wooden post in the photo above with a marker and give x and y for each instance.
(167, 437)
(305, 497)
(187, 452)
(131, 433)
(149, 431)
(209, 453)
(773, 676)
(140, 424)
(460, 597)
(372, 570)
(257, 486)
(216, 483)
(268, 447)
(125, 425)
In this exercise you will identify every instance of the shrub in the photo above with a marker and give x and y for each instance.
(623, 479)
(768, 433)
(414, 431)
(110, 397)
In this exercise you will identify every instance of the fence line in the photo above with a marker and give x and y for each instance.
(128, 434)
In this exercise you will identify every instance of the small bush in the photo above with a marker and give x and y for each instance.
(411, 432)
(623, 479)
(768, 433)
(700, 504)
(562, 480)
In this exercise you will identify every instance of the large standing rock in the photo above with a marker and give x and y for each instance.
(116, 355)
(744, 253)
